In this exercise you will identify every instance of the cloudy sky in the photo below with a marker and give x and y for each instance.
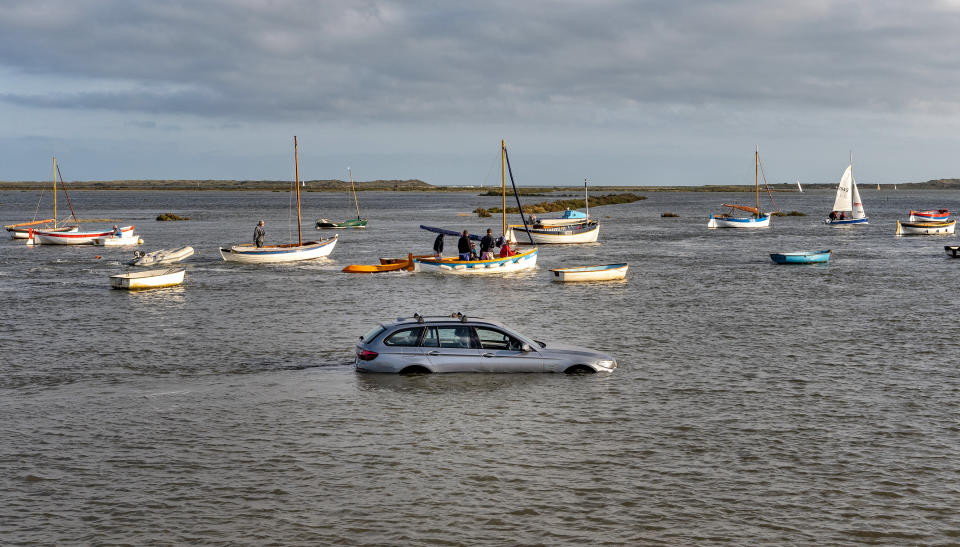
(645, 92)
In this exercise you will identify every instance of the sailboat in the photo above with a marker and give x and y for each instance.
(758, 220)
(847, 201)
(799, 188)
(249, 253)
(566, 230)
(22, 230)
(353, 222)
(520, 261)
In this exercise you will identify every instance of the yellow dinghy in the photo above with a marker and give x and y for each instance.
(386, 265)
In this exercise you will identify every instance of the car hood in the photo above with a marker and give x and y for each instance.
(556, 349)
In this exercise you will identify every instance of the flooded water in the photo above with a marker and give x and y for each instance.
(754, 403)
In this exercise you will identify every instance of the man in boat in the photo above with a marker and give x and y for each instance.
(463, 246)
(258, 234)
(505, 250)
(117, 232)
(833, 215)
(486, 246)
(438, 246)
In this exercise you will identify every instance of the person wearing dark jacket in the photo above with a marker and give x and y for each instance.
(438, 245)
(258, 234)
(486, 246)
(463, 246)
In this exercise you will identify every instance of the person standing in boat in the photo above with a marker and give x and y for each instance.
(438, 246)
(258, 234)
(486, 246)
(117, 232)
(463, 246)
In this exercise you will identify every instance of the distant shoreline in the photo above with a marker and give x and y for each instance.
(420, 186)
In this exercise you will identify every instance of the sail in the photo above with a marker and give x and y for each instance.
(857, 205)
(799, 188)
(746, 208)
(844, 199)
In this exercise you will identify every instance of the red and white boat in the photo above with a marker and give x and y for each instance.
(939, 215)
(75, 238)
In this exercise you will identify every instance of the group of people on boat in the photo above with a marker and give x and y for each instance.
(467, 250)
(834, 215)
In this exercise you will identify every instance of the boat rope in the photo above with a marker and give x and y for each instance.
(767, 186)
(36, 212)
(516, 194)
(64, 186)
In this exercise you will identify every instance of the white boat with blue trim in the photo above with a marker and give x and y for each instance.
(249, 253)
(847, 201)
(520, 261)
(757, 219)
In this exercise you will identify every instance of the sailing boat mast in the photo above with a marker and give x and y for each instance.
(586, 198)
(55, 191)
(756, 177)
(296, 170)
(503, 185)
(355, 202)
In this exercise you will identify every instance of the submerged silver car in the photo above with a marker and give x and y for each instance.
(459, 344)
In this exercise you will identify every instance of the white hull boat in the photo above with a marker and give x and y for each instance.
(24, 233)
(114, 241)
(574, 233)
(739, 222)
(925, 228)
(846, 201)
(75, 238)
(603, 272)
(248, 253)
(757, 219)
(148, 279)
(517, 262)
(163, 256)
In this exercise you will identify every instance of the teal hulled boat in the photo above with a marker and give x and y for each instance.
(801, 257)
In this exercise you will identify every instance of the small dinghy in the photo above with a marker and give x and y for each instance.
(114, 241)
(386, 265)
(148, 279)
(163, 256)
(940, 215)
(801, 257)
(925, 228)
(602, 272)
(953, 251)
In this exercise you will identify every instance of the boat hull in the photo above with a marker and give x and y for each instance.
(802, 257)
(603, 272)
(925, 228)
(846, 221)
(24, 232)
(164, 256)
(326, 224)
(386, 265)
(148, 279)
(75, 238)
(560, 234)
(734, 222)
(272, 254)
(929, 216)
(113, 241)
(517, 262)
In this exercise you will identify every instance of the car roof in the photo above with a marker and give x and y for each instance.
(435, 319)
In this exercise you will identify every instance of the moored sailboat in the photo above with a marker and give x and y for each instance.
(22, 230)
(847, 201)
(249, 253)
(351, 223)
(562, 230)
(758, 218)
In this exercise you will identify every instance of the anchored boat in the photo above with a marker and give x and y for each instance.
(22, 230)
(847, 201)
(148, 279)
(602, 272)
(940, 215)
(757, 220)
(802, 257)
(163, 256)
(925, 228)
(571, 228)
(353, 222)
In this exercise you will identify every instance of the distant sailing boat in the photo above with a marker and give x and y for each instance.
(758, 220)
(799, 188)
(353, 222)
(291, 252)
(22, 230)
(847, 200)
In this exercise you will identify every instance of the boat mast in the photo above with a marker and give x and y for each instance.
(54, 191)
(756, 177)
(586, 198)
(355, 202)
(296, 171)
(503, 186)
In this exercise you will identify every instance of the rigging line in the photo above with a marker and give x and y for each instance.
(767, 186)
(64, 186)
(36, 213)
(493, 163)
(516, 195)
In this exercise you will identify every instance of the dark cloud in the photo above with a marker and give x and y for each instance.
(544, 62)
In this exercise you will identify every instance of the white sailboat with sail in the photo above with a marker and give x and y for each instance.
(847, 201)
(758, 220)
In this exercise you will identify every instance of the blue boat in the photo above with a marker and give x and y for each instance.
(801, 257)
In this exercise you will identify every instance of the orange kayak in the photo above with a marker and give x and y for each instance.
(386, 265)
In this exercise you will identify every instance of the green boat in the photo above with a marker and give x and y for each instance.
(358, 222)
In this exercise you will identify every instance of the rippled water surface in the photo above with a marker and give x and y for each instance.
(754, 403)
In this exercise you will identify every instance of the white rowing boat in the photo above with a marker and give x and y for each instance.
(601, 272)
(74, 238)
(163, 256)
(148, 279)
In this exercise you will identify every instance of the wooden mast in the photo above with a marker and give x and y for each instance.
(503, 186)
(586, 198)
(296, 170)
(355, 202)
(54, 192)
(756, 177)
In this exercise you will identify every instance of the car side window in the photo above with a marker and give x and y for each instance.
(455, 337)
(430, 339)
(404, 337)
(494, 339)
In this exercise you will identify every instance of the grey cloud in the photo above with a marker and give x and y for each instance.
(590, 62)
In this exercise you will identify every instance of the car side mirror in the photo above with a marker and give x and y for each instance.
(526, 348)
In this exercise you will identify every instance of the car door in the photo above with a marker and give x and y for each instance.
(501, 352)
(452, 349)
(404, 349)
